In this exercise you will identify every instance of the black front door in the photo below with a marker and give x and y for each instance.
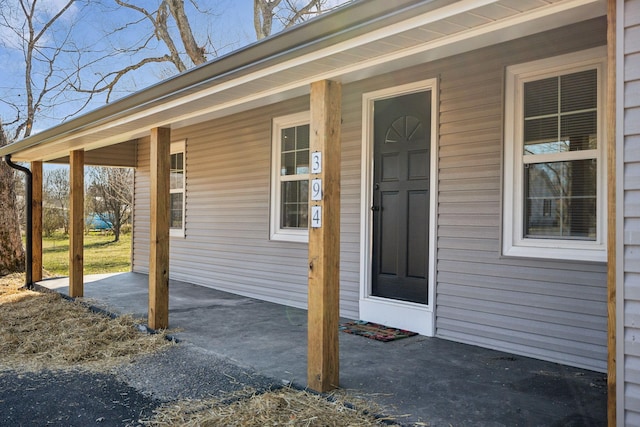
(402, 130)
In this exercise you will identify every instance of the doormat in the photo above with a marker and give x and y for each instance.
(375, 331)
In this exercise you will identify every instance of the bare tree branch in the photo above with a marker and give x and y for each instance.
(159, 20)
(34, 52)
(111, 79)
(196, 53)
(298, 15)
(289, 13)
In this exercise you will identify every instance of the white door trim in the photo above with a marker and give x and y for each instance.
(399, 314)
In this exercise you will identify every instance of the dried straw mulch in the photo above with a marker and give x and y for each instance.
(283, 407)
(43, 331)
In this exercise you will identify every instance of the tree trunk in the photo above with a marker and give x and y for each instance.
(116, 232)
(12, 258)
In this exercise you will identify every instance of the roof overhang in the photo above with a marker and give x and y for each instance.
(364, 39)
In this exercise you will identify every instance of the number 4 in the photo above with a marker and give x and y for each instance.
(316, 216)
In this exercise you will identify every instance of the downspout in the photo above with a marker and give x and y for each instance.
(29, 226)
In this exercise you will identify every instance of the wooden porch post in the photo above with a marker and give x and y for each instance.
(76, 224)
(324, 237)
(611, 213)
(36, 220)
(159, 251)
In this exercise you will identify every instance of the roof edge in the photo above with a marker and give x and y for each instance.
(348, 16)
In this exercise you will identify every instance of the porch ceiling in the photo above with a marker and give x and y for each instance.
(415, 33)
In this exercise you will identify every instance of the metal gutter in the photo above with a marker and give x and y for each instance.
(345, 22)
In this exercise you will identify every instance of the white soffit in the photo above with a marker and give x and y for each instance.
(435, 35)
(458, 27)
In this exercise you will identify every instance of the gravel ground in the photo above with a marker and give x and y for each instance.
(125, 395)
(188, 372)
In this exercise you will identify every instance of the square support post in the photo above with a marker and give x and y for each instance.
(159, 250)
(36, 220)
(76, 224)
(323, 364)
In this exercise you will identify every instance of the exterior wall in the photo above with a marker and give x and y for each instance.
(631, 211)
(554, 310)
(141, 209)
(226, 243)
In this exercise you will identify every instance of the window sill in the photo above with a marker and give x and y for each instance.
(592, 253)
(291, 236)
(176, 233)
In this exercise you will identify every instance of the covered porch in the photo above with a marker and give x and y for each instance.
(427, 380)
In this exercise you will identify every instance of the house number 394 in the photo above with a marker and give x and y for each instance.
(316, 189)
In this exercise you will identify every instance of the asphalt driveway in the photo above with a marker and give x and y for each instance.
(124, 396)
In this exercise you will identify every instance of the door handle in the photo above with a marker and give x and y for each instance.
(375, 208)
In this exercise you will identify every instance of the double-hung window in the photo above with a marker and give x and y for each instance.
(554, 200)
(290, 178)
(177, 183)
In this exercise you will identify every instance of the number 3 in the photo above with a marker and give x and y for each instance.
(316, 162)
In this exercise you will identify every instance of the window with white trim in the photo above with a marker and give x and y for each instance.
(554, 182)
(177, 184)
(290, 178)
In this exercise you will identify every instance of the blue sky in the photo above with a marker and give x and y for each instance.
(228, 24)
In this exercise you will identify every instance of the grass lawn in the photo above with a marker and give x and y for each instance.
(101, 254)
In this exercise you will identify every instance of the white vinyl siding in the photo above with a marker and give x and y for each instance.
(141, 209)
(553, 310)
(629, 361)
(227, 236)
(548, 309)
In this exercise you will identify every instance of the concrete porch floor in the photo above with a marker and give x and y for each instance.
(433, 381)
